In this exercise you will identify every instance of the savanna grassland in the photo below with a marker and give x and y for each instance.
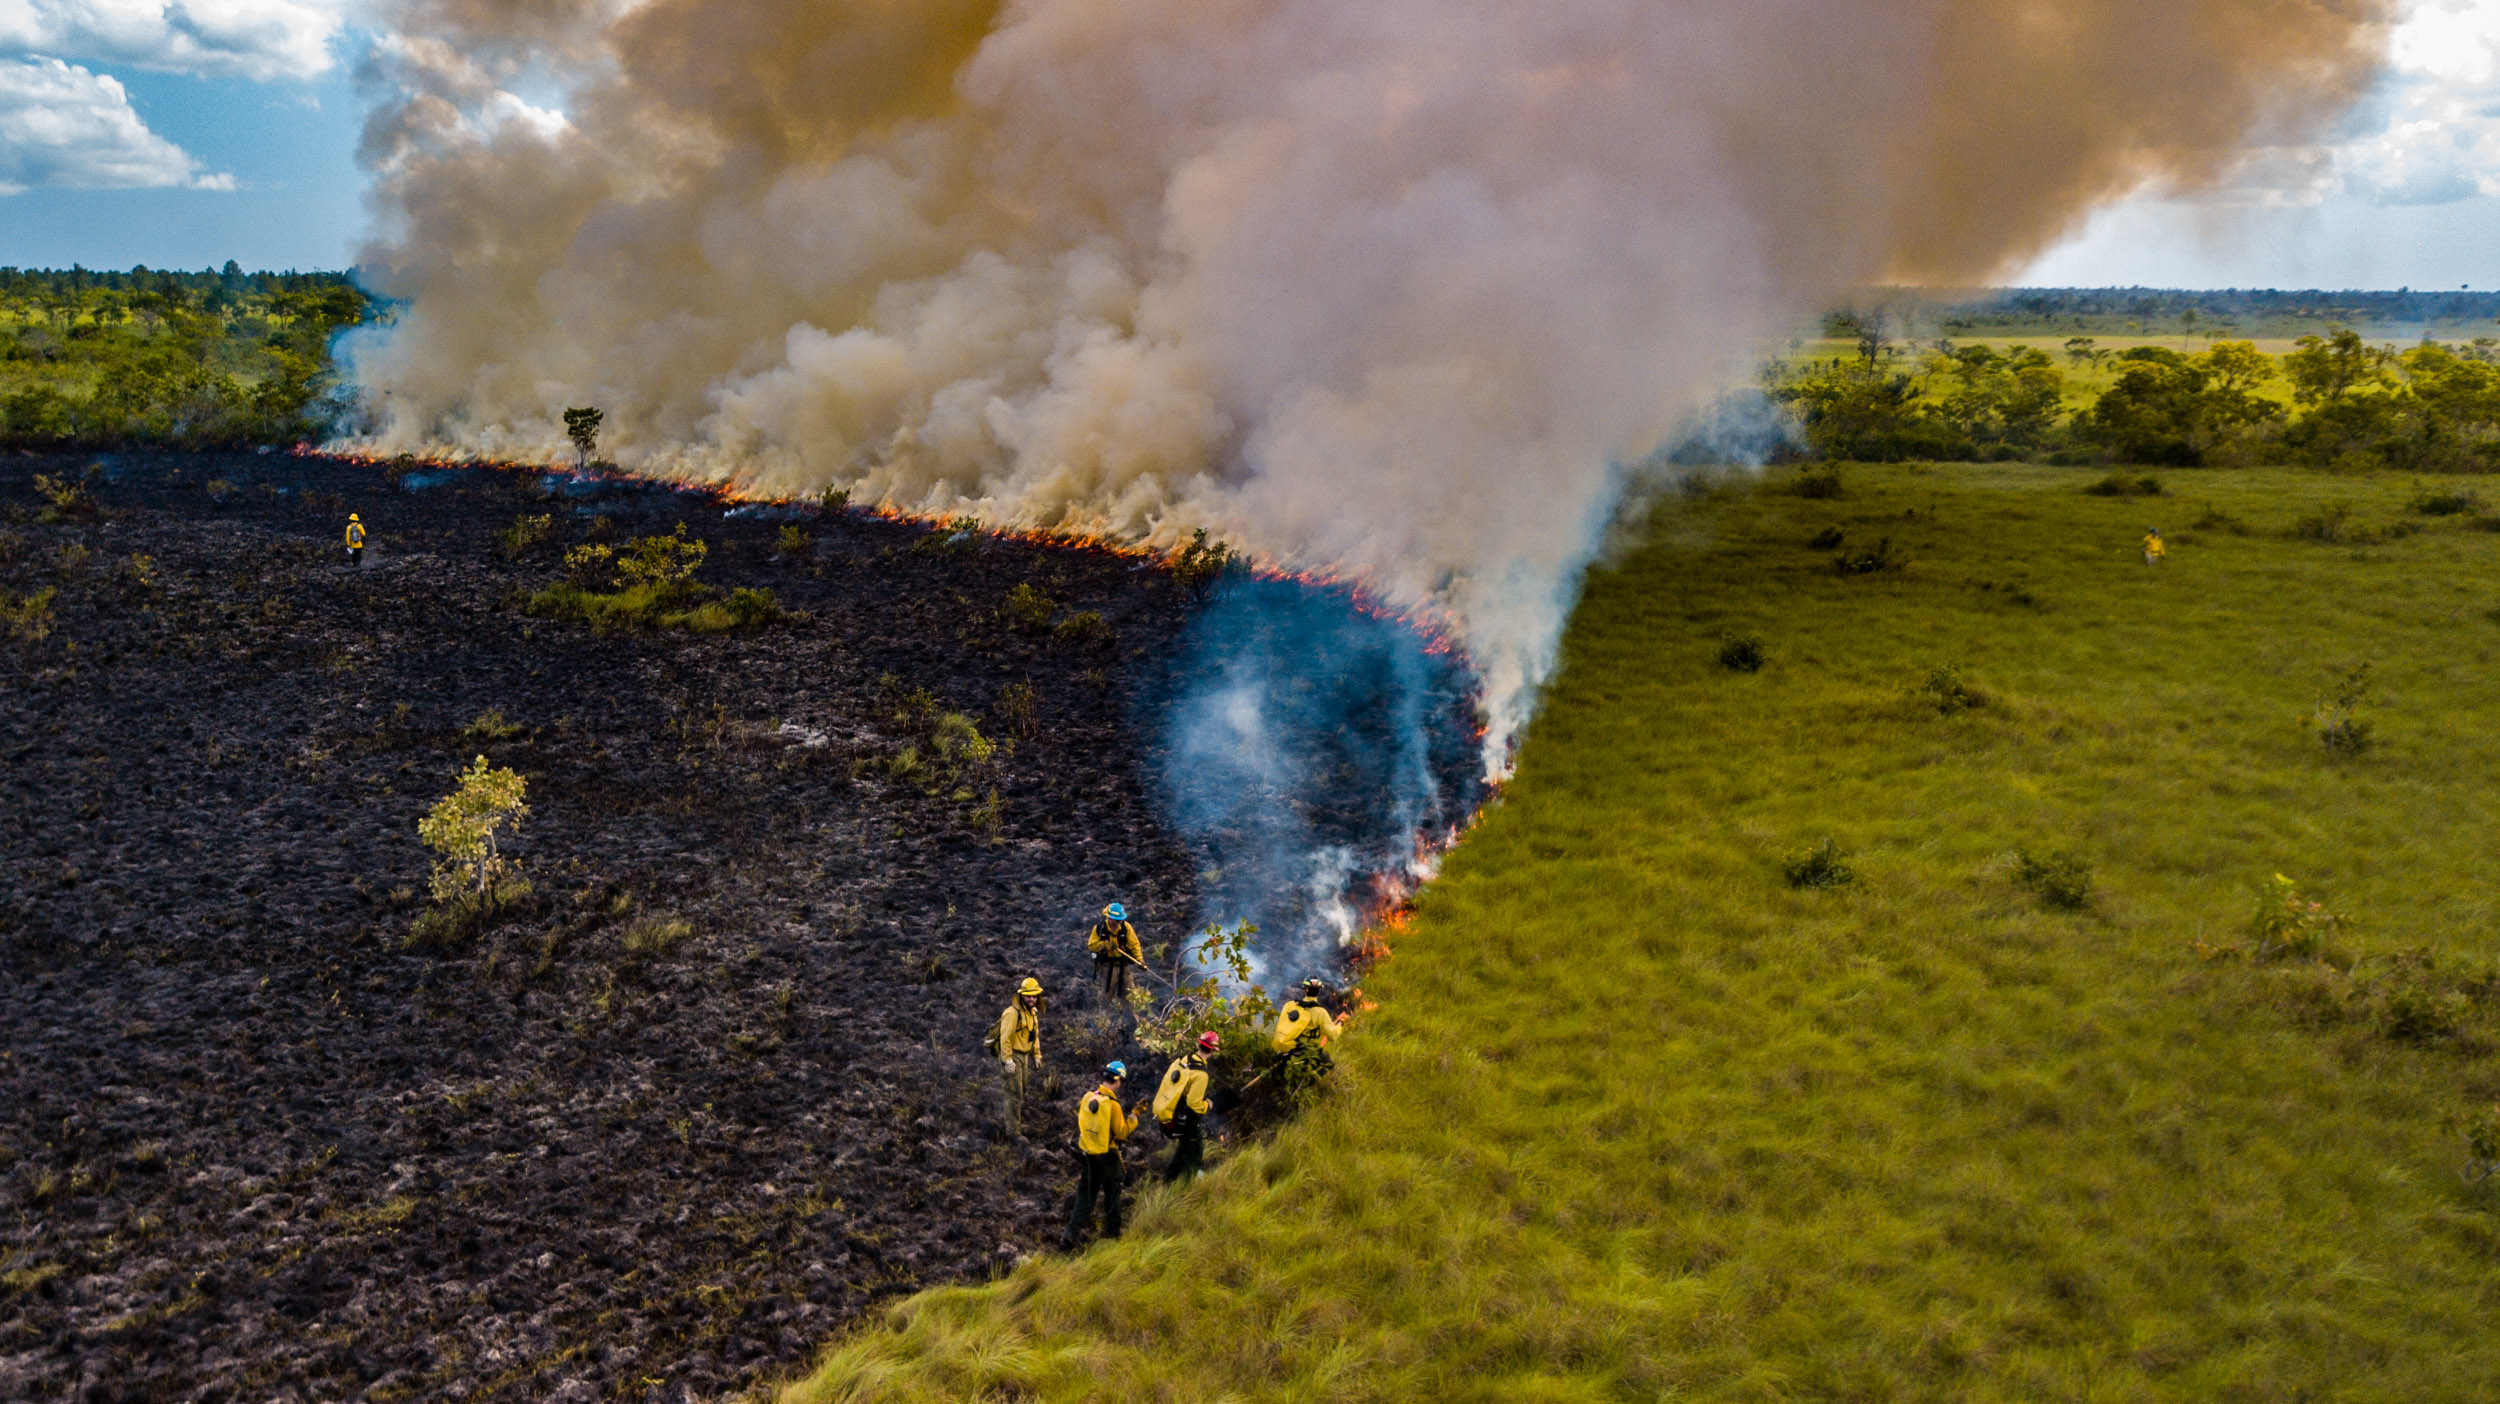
(2032, 1083)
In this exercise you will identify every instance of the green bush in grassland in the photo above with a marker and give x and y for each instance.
(652, 586)
(1635, 1120)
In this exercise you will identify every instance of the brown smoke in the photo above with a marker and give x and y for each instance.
(1387, 287)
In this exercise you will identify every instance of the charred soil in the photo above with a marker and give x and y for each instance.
(711, 1088)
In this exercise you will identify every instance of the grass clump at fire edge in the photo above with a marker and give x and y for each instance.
(651, 586)
(1636, 1118)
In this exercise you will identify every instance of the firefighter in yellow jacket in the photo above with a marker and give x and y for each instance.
(1018, 1043)
(355, 539)
(1116, 951)
(2154, 547)
(1181, 1106)
(1101, 1125)
(1307, 1018)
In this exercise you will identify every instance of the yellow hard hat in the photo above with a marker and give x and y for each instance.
(1030, 986)
(353, 517)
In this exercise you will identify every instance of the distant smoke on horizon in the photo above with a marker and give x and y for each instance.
(1392, 290)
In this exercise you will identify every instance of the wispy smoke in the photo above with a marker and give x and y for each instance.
(1385, 288)
(1309, 748)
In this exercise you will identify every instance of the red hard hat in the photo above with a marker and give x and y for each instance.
(1207, 1041)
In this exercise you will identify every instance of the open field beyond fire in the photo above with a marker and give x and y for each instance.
(1639, 1118)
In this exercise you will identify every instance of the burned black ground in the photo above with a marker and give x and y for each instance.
(715, 1089)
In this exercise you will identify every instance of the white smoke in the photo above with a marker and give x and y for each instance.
(1384, 289)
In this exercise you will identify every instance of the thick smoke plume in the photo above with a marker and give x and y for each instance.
(1387, 289)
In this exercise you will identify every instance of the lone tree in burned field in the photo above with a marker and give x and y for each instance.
(582, 427)
(473, 878)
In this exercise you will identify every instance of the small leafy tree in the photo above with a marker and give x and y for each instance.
(582, 427)
(464, 829)
(1241, 1020)
(1201, 563)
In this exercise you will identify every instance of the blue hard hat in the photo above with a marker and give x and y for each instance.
(1116, 912)
(1116, 1068)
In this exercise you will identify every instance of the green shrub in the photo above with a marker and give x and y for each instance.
(1822, 866)
(2481, 1131)
(2341, 728)
(27, 618)
(792, 542)
(2288, 924)
(526, 534)
(2414, 1015)
(2126, 485)
(1951, 693)
(490, 725)
(1828, 539)
(65, 499)
(1820, 484)
(1086, 627)
(1029, 607)
(2216, 520)
(651, 936)
(2447, 504)
(660, 561)
(2062, 881)
(754, 608)
(1875, 560)
(1019, 706)
(1740, 653)
(2332, 524)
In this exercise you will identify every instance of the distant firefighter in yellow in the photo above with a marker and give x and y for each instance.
(2154, 547)
(355, 539)
(1116, 950)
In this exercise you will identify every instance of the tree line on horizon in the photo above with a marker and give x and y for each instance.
(214, 359)
(2335, 401)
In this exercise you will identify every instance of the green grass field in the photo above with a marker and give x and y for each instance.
(1637, 1120)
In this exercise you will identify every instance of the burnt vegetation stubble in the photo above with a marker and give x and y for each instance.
(713, 1087)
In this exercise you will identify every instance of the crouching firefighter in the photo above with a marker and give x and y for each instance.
(1116, 951)
(1304, 1029)
(1017, 1043)
(1101, 1125)
(1181, 1107)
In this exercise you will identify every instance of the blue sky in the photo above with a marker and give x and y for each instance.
(182, 133)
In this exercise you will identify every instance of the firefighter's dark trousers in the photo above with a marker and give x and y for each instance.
(1189, 1147)
(1114, 972)
(1100, 1177)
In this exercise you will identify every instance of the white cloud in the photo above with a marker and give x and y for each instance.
(2401, 192)
(256, 39)
(61, 125)
(2436, 137)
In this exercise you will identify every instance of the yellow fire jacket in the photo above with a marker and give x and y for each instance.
(1115, 940)
(1184, 1085)
(1298, 1019)
(1101, 1122)
(1019, 1033)
(355, 534)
